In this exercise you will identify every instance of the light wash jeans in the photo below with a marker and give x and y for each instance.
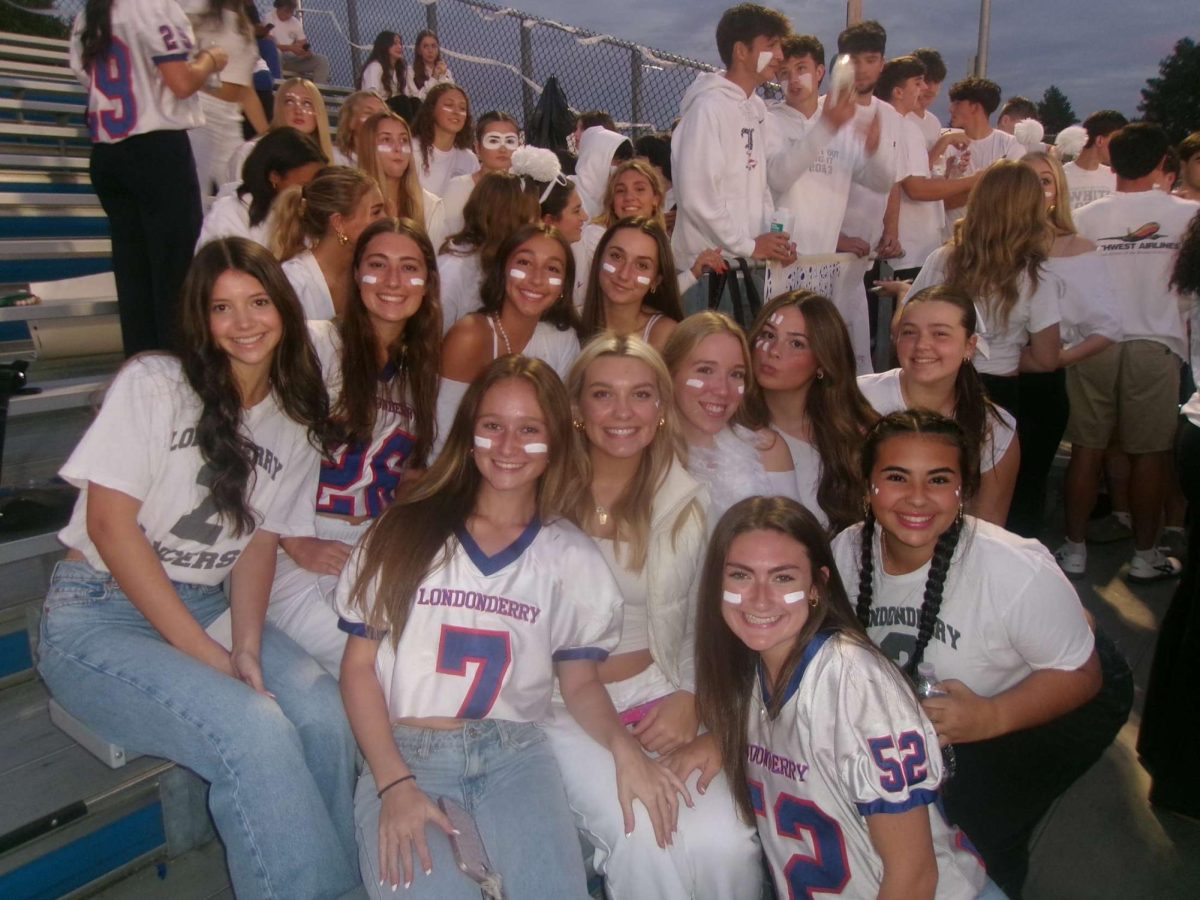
(281, 771)
(503, 774)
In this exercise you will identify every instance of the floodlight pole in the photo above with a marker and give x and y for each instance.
(985, 24)
(853, 12)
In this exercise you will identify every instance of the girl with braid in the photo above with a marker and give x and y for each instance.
(1032, 695)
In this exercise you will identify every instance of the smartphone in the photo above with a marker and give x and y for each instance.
(469, 852)
(635, 714)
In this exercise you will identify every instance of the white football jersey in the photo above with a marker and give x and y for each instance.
(850, 742)
(361, 479)
(126, 92)
(485, 631)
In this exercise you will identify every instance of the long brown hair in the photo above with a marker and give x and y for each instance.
(839, 413)
(1003, 237)
(413, 536)
(492, 292)
(345, 139)
(662, 298)
(499, 204)
(408, 200)
(413, 357)
(725, 667)
(423, 124)
(295, 377)
(631, 512)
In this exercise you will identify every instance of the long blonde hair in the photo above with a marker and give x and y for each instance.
(608, 217)
(631, 513)
(415, 535)
(695, 328)
(302, 213)
(1003, 236)
(1060, 213)
(347, 131)
(322, 115)
(408, 201)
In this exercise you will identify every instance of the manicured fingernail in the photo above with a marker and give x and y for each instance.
(429, 871)
(628, 833)
(456, 832)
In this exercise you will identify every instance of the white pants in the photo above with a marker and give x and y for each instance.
(302, 602)
(714, 853)
(214, 142)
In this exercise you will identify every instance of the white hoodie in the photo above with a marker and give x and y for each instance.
(719, 165)
(597, 146)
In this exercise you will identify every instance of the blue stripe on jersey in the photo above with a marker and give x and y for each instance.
(360, 629)
(490, 565)
(793, 684)
(581, 653)
(917, 797)
(169, 57)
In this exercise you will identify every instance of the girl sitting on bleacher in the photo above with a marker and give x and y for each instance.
(385, 152)
(299, 105)
(193, 469)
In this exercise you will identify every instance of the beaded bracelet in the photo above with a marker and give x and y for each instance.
(388, 787)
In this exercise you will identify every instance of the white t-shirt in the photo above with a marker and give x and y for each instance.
(131, 97)
(143, 443)
(999, 350)
(807, 460)
(484, 632)
(851, 741)
(307, 279)
(1007, 609)
(229, 216)
(1087, 185)
(1088, 305)
(866, 205)
(460, 278)
(921, 221)
(410, 83)
(931, 127)
(372, 80)
(224, 32)
(289, 32)
(1138, 235)
(361, 479)
(884, 393)
(454, 200)
(443, 165)
(984, 151)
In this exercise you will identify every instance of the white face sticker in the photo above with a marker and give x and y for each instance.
(483, 443)
(776, 319)
(554, 281)
(741, 389)
(609, 268)
(694, 383)
(518, 274)
(794, 597)
(731, 597)
(370, 279)
(874, 490)
(417, 282)
(643, 279)
(804, 80)
(403, 149)
(765, 57)
(536, 447)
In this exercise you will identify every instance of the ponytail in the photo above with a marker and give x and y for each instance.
(302, 215)
(287, 238)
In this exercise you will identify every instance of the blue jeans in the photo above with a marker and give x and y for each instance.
(280, 770)
(504, 774)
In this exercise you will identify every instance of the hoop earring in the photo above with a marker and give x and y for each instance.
(820, 374)
(342, 238)
(662, 420)
(813, 600)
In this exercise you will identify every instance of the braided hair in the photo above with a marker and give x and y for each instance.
(919, 422)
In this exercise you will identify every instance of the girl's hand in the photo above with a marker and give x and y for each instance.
(316, 555)
(639, 777)
(439, 68)
(247, 668)
(670, 724)
(962, 717)
(402, 818)
(701, 755)
(711, 259)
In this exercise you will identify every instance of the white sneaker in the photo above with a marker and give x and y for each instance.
(1072, 559)
(1156, 568)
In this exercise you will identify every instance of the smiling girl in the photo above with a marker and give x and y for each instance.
(476, 571)
(632, 288)
(710, 369)
(194, 468)
(837, 764)
(442, 138)
(385, 71)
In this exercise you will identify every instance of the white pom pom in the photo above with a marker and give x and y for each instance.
(1029, 132)
(841, 80)
(538, 163)
(1070, 141)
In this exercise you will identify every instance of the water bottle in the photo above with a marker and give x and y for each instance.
(926, 684)
(781, 220)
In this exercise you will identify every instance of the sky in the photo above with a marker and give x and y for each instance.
(1099, 52)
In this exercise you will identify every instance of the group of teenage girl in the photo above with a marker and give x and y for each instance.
(409, 447)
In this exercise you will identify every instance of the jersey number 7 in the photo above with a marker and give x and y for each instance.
(489, 651)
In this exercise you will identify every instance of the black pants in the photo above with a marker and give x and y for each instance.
(147, 186)
(1044, 410)
(1170, 730)
(1004, 786)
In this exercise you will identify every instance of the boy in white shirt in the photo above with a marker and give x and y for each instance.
(972, 102)
(1131, 390)
(935, 74)
(817, 197)
(296, 55)
(1088, 175)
